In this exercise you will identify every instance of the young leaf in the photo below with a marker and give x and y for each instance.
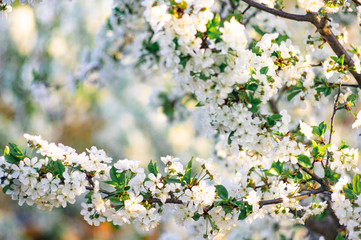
(292, 95)
(222, 192)
(188, 172)
(230, 137)
(59, 168)
(356, 184)
(304, 161)
(113, 175)
(264, 70)
(349, 193)
(196, 216)
(152, 168)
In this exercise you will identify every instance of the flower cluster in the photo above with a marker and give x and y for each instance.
(347, 206)
(123, 193)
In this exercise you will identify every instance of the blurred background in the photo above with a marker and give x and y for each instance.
(40, 53)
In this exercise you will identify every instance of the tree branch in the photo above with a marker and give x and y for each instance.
(233, 5)
(322, 28)
(336, 46)
(357, 2)
(296, 17)
(335, 109)
(323, 183)
(299, 197)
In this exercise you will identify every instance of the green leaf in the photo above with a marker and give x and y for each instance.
(292, 95)
(342, 59)
(272, 120)
(152, 168)
(213, 33)
(199, 104)
(351, 99)
(320, 129)
(115, 199)
(264, 70)
(344, 145)
(196, 216)
(340, 237)
(222, 192)
(59, 168)
(325, 89)
(272, 172)
(13, 154)
(356, 184)
(253, 87)
(334, 58)
(172, 180)
(227, 209)
(184, 60)
(217, 19)
(230, 137)
(257, 50)
(188, 172)
(323, 148)
(8, 157)
(281, 38)
(333, 176)
(242, 215)
(258, 30)
(6, 188)
(304, 161)
(113, 175)
(16, 151)
(349, 194)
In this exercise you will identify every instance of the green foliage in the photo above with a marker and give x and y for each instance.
(264, 70)
(272, 120)
(221, 192)
(213, 27)
(153, 168)
(188, 172)
(332, 176)
(304, 161)
(320, 129)
(275, 170)
(280, 39)
(254, 102)
(13, 154)
(339, 60)
(258, 30)
(351, 100)
(293, 92)
(230, 137)
(356, 184)
(245, 209)
(349, 193)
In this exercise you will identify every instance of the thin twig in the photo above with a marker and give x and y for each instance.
(296, 17)
(245, 10)
(299, 197)
(323, 183)
(345, 85)
(249, 18)
(233, 5)
(333, 121)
